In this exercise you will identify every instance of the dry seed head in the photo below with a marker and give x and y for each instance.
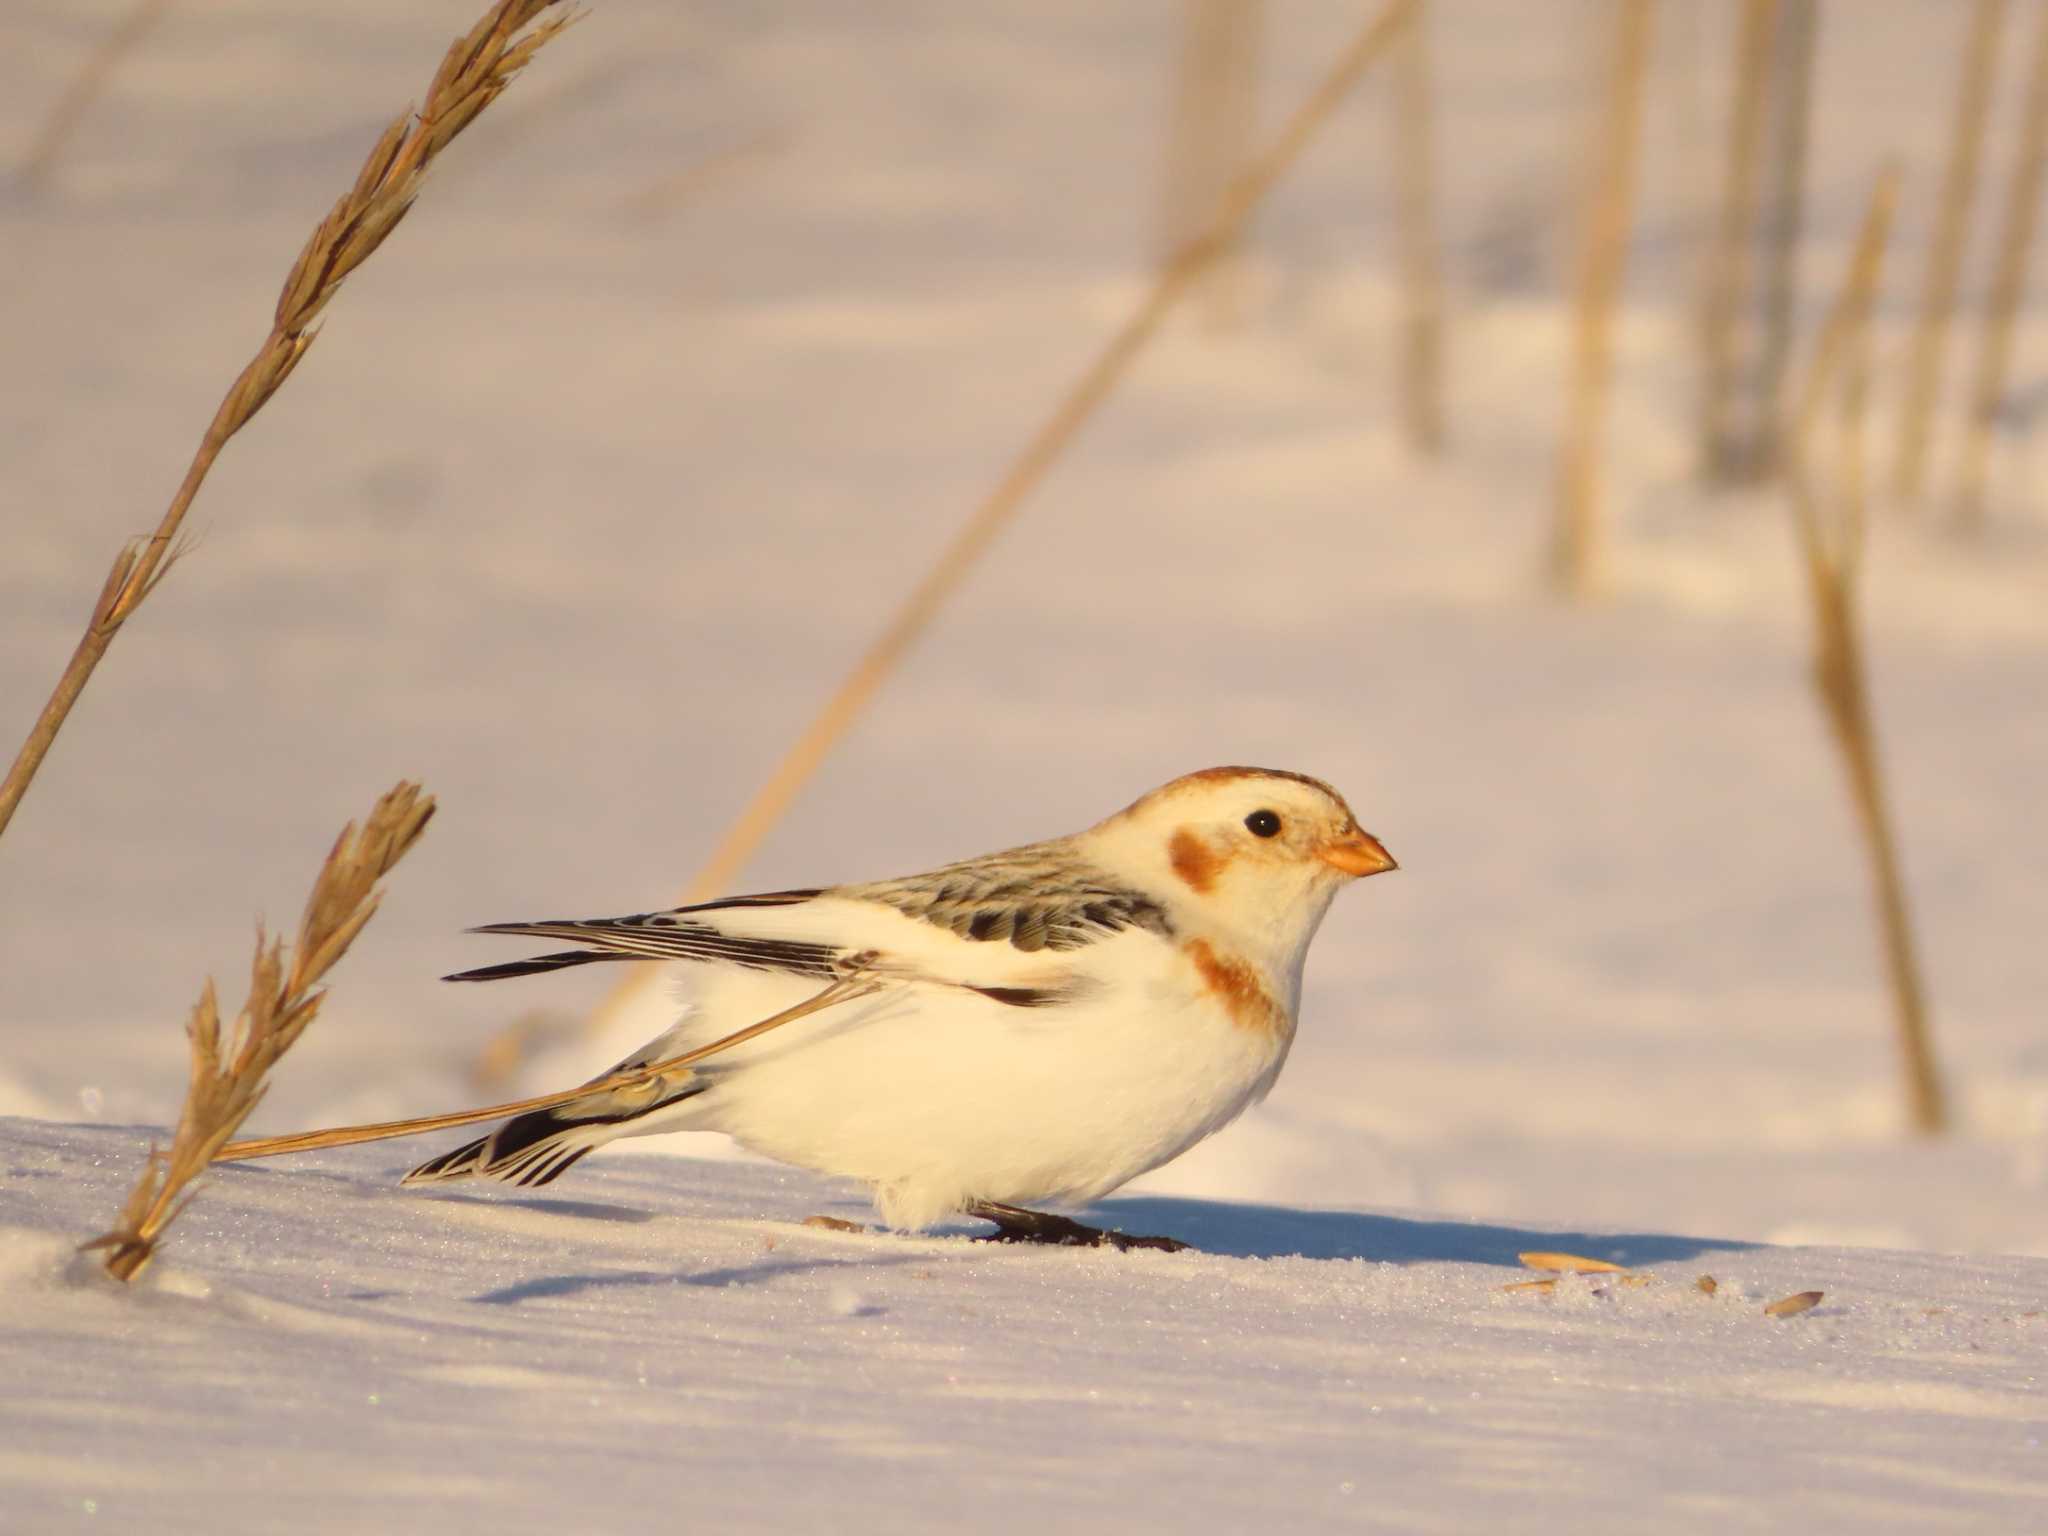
(220, 1095)
(470, 76)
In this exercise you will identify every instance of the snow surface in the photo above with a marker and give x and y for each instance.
(667, 1346)
(692, 354)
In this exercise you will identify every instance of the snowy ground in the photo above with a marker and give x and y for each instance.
(598, 475)
(668, 1346)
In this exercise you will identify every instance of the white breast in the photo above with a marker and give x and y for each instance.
(936, 1096)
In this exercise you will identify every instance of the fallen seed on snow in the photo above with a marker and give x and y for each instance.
(1793, 1305)
(832, 1224)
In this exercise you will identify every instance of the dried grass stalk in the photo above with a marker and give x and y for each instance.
(915, 613)
(2008, 284)
(284, 997)
(1831, 543)
(1945, 255)
(1420, 387)
(665, 1073)
(1603, 248)
(474, 72)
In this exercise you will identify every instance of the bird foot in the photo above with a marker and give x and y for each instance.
(1014, 1224)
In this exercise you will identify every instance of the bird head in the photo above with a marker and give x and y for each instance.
(1253, 849)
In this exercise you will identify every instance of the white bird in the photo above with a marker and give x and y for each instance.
(1041, 1025)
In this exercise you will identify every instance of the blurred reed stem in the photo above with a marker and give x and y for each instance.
(84, 89)
(679, 188)
(1747, 307)
(1209, 135)
(1419, 390)
(1603, 252)
(2008, 286)
(1755, 452)
(914, 614)
(1726, 292)
(1945, 254)
(475, 70)
(1831, 543)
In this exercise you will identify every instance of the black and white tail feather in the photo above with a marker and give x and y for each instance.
(541, 1145)
(529, 1150)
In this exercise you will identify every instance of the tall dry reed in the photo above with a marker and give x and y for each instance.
(1603, 253)
(1727, 273)
(2008, 285)
(1831, 534)
(1781, 220)
(1419, 382)
(1945, 253)
(475, 70)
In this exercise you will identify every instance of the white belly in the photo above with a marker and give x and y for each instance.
(938, 1098)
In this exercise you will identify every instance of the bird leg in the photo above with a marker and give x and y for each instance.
(1014, 1224)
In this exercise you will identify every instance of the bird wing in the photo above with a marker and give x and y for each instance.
(983, 925)
(1041, 897)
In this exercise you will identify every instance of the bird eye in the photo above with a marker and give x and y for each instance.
(1262, 824)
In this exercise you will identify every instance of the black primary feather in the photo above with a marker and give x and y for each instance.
(555, 962)
(669, 935)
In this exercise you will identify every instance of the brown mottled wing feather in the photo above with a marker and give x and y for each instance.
(1039, 897)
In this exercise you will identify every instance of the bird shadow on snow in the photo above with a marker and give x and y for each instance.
(580, 1210)
(743, 1274)
(1278, 1231)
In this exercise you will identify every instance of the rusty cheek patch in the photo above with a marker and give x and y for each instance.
(1237, 986)
(1195, 861)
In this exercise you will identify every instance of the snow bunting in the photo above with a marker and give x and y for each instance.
(1039, 1025)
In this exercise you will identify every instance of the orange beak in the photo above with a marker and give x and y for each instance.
(1357, 853)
